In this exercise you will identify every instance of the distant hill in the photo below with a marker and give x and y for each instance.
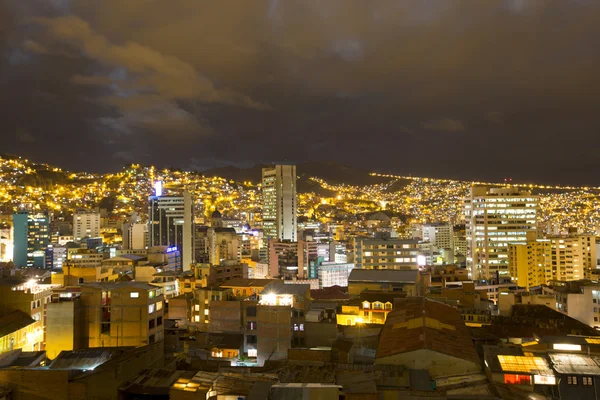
(331, 172)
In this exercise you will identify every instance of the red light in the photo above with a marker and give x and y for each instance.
(514, 379)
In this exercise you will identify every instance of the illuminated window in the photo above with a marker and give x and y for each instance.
(522, 364)
(205, 312)
(592, 341)
(587, 381)
(252, 353)
(159, 306)
(196, 318)
(134, 295)
(571, 380)
(150, 308)
(514, 379)
(197, 307)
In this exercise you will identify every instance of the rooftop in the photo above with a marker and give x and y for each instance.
(284, 288)
(87, 359)
(419, 323)
(574, 364)
(13, 321)
(380, 275)
(330, 293)
(119, 285)
(247, 282)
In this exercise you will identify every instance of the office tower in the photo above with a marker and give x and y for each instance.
(85, 224)
(279, 202)
(495, 218)
(562, 258)
(397, 254)
(171, 224)
(31, 238)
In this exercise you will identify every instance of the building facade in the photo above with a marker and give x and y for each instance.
(496, 218)
(31, 238)
(279, 207)
(171, 224)
(397, 254)
(85, 224)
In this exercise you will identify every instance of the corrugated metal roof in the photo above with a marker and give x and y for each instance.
(419, 323)
(574, 364)
(380, 275)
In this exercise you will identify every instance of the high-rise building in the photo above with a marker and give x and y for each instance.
(495, 218)
(396, 254)
(562, 258)
(85, 224)
(31, 238)
(279, 203)
(171, 224)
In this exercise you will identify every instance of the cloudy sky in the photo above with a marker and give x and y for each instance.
(453, 88)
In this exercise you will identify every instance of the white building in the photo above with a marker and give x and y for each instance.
(86, 224)
(332, 274)
(279, 207)
(135, 235)
(439, 234)
(495, 218)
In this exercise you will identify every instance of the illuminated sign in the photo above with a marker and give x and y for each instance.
(544, 380)
(171, 249)
(158, 188)
(566, 346)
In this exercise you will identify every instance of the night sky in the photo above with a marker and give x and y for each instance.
(448, 88)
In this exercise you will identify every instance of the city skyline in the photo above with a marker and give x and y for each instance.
(507, 86)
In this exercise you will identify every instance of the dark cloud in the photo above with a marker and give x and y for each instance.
(198, 83)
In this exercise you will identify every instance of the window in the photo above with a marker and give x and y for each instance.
(206, 312)
(252, 353)
(197, 307)
(134, 295)
(159, 306)
(587, 381)
(571, 380)
(251, 312)
(151, 324)
(150, 308)
(159, 321)
(302, 327)
(196, 318)
(295, 327)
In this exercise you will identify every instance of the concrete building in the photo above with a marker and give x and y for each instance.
(31, 238)
(577, 299)
(396, 254)
(425, 334)
(135, 235)
(19, 331)
(6, 241)
(86, 374)
(27, 296)
(406, 281)
(86, 224)
(279, 202)
(495, 218)
(84, 258)
(439, 234)
(171, 224)
(105, 315)
(56, 256)
(334, 274)
(223, 245)
(564, 258)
